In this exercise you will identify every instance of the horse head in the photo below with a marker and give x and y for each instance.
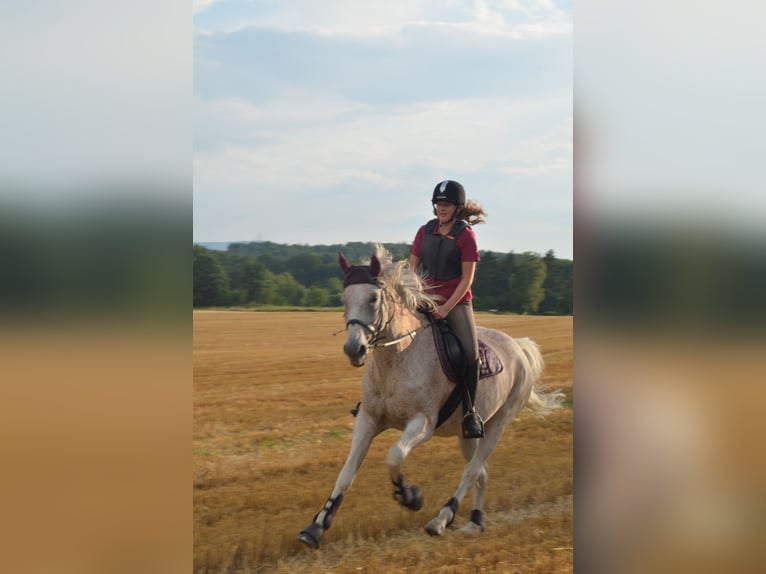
(362, 306)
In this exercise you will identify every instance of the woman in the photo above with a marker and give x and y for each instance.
(445, 249)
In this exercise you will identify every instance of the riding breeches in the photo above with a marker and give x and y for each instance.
(461, 321)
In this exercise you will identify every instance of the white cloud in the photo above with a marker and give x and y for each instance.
(202, 5)
(363, 154)
(330, 141)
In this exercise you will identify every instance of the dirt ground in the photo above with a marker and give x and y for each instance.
(272, 391)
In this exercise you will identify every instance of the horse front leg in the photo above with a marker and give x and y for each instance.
(365, 430)
(417, 431)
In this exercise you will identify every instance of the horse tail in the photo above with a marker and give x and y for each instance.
(541, 402)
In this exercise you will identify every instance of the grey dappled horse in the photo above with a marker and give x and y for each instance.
(404, 387)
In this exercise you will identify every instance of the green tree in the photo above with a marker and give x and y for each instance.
(257, 282)
(272, 263)
(557, 286)
(489, 287)
(307, 268)
(288, 289)
(316, 297)
(334, 288)
(267, 292)
(210, 282)
(526, 283)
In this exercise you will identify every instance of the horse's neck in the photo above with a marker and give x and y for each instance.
(403, 321)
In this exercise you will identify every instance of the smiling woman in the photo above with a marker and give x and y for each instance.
(445, 248)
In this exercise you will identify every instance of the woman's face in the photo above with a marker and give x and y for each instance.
(445, 210)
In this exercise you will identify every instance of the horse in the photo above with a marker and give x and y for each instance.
(404, 387)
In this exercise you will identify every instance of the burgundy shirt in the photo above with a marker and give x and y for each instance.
(466, 243)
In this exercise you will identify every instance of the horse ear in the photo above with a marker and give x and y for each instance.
(374, 265)
(344, 264)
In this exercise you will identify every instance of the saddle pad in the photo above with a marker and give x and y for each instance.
(490, 362)
(490, 365)
(449, 351)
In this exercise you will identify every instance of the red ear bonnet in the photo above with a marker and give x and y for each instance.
(374, 265)
(356, 274)
(344, 264)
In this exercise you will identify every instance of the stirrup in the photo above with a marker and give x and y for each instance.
(473, 425)
(355, 410)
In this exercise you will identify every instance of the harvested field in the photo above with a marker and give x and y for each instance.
(272, 393)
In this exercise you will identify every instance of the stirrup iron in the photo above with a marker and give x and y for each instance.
(473, 416)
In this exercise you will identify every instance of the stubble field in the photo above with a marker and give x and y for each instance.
(272, 429)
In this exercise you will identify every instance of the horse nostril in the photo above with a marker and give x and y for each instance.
(362, 350)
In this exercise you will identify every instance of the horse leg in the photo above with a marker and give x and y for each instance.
(415, 433)
(475, 472)
(475, 524)
(364, 431)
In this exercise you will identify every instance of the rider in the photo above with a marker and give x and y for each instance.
(445, 248)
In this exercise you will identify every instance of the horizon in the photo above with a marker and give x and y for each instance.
(207, 245)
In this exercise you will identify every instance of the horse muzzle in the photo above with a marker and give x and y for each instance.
(356, 352)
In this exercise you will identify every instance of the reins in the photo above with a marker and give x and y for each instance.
(377, 329)
(410, 334)
(369, 274)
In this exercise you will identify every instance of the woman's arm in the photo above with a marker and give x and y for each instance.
(414, 262)
(466, 280)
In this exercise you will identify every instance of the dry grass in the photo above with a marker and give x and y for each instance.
(272, 429)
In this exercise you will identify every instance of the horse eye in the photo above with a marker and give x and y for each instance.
(374, 298)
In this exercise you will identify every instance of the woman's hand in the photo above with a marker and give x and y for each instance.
(441, 312)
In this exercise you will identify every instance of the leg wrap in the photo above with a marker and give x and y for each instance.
(452, 504)
(477, 518)
(330, 508)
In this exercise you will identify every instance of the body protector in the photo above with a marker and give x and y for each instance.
(440, 257)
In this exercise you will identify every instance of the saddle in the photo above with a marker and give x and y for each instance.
(449, 349)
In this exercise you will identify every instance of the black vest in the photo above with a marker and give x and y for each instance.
(439, 255)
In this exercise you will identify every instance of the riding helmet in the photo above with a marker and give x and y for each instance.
(449, 190)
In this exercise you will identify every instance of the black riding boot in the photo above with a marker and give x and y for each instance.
(473, 426)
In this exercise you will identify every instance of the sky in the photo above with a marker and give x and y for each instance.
(328, 122)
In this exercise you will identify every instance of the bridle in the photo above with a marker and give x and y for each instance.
(375, 330)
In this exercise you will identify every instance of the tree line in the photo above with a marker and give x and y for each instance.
(266, 273)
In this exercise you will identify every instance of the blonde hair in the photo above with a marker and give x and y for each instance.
(471, 213)
(397, 278)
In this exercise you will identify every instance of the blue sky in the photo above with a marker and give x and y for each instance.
(328, 122)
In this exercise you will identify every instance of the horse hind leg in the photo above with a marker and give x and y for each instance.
(476, 523)
(474, 473)
(415, 433)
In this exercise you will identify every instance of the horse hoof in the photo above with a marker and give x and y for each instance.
(435, 527)
(311, 535)
(471, 529)
(409, 496)
(416, 499)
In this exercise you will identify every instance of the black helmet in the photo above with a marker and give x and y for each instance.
(449, 190)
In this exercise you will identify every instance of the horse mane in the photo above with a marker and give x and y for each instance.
(398, 279)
